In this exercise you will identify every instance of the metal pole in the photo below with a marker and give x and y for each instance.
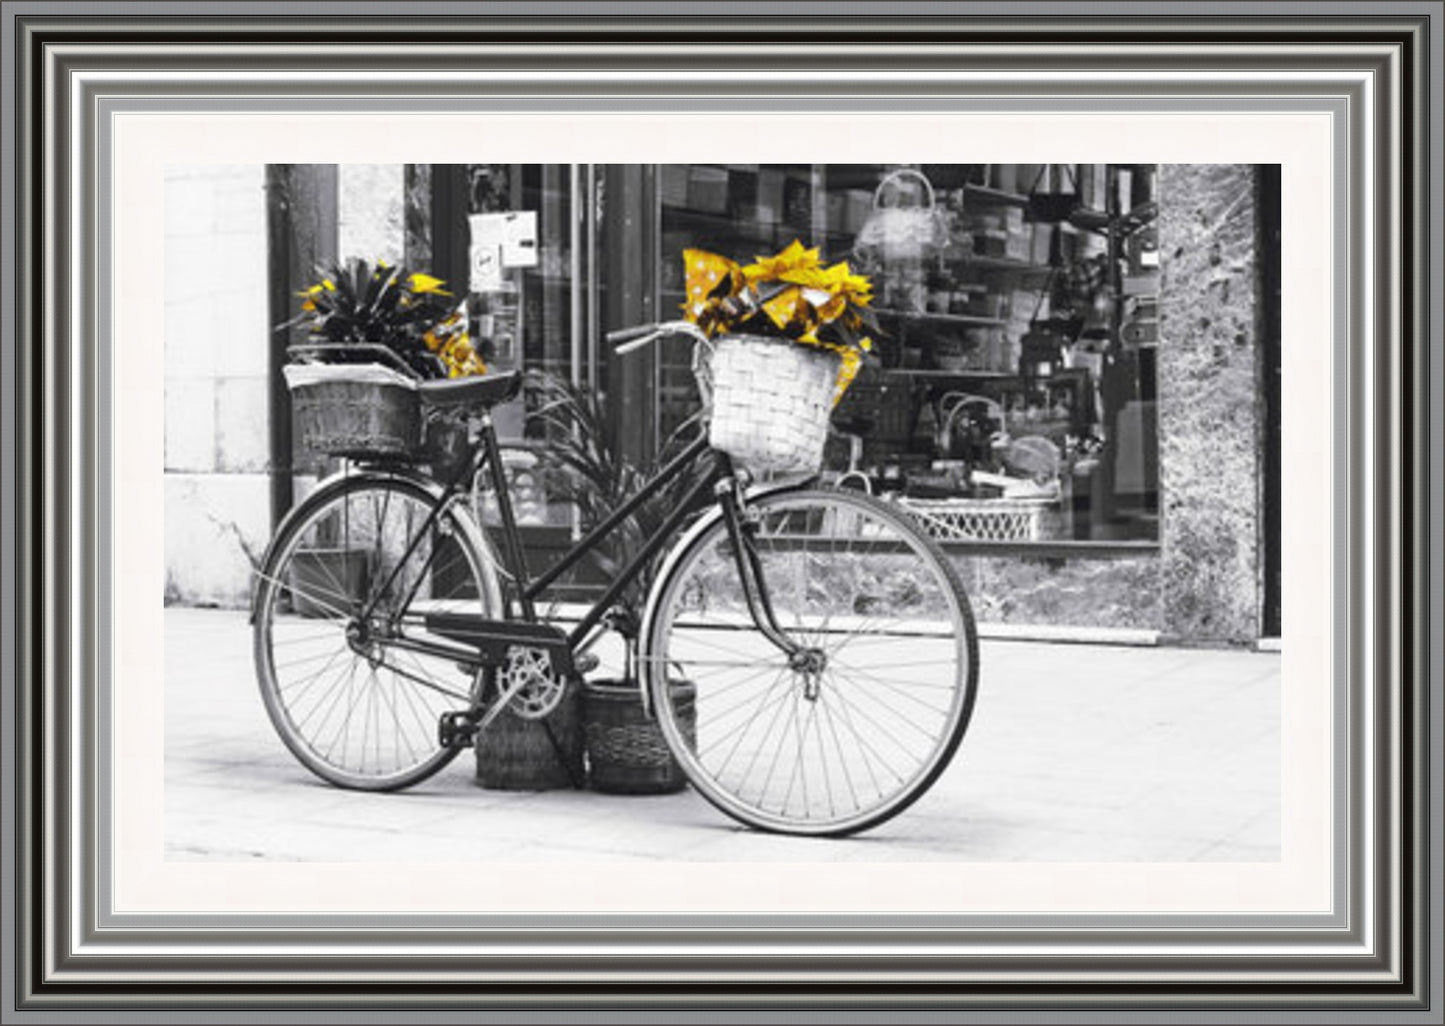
(590, 212)
(576, 210)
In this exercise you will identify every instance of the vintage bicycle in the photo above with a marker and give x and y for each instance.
(829, 644)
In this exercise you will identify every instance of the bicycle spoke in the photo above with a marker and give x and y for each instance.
(873, 680)
(842, 759)
(741, 731)
(339, 615)
(778, 752)
(854, 707)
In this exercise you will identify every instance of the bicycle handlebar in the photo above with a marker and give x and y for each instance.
(628, 334)
(628, 339)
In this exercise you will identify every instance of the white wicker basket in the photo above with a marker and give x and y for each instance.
(979, 519)
(771, 399)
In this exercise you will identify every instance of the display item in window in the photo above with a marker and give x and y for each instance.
(905, 223)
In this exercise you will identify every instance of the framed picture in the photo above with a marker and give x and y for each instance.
(1145, 373)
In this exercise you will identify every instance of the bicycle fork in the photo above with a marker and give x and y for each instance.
(742, 526)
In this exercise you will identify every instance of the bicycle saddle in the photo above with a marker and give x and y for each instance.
(484, 390)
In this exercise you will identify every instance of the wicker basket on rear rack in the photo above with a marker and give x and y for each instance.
(360, 411)
(770, 401)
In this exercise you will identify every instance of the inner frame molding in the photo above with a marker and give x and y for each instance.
(1369, 951)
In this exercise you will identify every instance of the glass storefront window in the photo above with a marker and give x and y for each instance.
(506, 235)
(1013, 396)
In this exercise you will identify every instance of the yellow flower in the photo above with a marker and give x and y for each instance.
(830, 289)
(710, 278)
(852, 360)
(458, 357)
(802, 296)
(421, 283)
(793, 259)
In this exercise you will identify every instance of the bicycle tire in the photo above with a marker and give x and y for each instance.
(892, 584)
(306, 604)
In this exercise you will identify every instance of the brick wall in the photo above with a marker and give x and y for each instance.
(216, 482)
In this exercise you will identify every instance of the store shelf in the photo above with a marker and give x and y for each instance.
(986, 263)
(724, 222)
(1100, 223)
(943, 319)
(778, 233)
(926, 374)
(988, 195)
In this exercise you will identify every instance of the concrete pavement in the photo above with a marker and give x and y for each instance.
(1075, 753)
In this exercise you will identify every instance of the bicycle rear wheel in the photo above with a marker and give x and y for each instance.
(859, 726)
(350, 700)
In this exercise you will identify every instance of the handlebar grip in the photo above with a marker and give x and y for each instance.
(628, 334)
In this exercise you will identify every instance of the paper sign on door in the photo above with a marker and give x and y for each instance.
(500, 241)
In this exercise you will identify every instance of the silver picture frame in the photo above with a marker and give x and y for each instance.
(1373, 71)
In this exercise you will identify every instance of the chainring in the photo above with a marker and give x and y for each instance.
(539, 690)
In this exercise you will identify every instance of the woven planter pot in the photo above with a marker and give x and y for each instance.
(771, 399)
(626, 752)
(516, 754)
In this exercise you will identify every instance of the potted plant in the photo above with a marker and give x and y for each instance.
(344, 406)
(788, 336)
(411, 313)
(625, 749)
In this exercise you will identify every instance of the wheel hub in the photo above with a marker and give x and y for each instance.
(808, 660)
(359, 636)
(809, 664)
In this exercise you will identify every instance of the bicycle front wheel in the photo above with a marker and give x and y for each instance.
(357, 697)
(854, 723)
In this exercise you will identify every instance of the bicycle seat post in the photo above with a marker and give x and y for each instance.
(516, 556)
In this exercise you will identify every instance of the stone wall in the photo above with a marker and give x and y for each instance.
(1210, 402)
(1111, 593)
(216, 449)
(370, 223)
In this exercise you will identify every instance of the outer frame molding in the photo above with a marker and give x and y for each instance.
(1375, 67)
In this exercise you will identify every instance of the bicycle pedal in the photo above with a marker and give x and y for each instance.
(585, 662)
(457, 730)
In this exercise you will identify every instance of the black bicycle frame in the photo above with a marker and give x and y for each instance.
(489, 455)
(529, 588)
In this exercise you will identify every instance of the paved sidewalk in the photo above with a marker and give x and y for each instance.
(1076, 752)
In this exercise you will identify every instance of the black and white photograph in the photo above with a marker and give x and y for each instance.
(722, 513)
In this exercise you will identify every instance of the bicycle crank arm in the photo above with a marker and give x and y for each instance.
(461, 729)
(504, 698)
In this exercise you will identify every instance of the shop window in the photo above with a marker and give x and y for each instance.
(1013, 397)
